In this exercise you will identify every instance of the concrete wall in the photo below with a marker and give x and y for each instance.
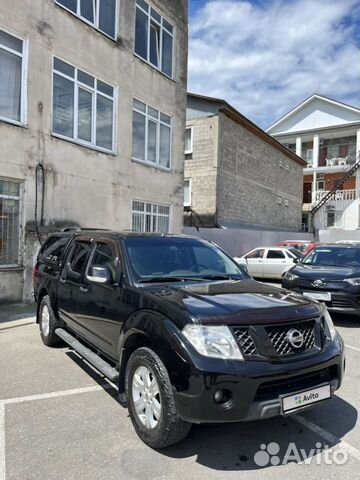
(334, 235)
(252, 177)
(84, 186)
(237, 242)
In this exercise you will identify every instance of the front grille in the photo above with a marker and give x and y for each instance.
(342, 302)
(273, 389)
(279, 337)
(245, 341)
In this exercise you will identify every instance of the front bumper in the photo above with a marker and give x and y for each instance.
(341, 301)
(256, 387)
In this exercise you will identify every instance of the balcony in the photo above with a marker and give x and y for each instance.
(341, 197)
(332, 157)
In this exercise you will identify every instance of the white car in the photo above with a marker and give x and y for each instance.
(346, 242)
(269, 262)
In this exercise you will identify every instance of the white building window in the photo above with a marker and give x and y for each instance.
(83, 107)
(101, 14)
(188, 140)
(335, 219)
(9, 223)
(151, 135)
(187, 192)
(154, 38)
(13, 71)
(150, 217)
(309, 156)
(320, 185)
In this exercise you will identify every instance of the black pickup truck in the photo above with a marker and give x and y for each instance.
(183, 331)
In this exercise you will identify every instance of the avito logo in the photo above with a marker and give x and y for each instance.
(300, 399)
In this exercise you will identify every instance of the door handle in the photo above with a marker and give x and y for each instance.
(83, 289)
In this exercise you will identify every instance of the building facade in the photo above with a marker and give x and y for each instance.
(325, 133)
(235, 174)
(92, 118)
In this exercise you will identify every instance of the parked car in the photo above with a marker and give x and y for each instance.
(184, 332)
(350, 242)
(330, 274)
(269, 262)
(304, 246)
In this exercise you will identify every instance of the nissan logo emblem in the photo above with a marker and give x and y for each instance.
(318, 283)
(295, 338)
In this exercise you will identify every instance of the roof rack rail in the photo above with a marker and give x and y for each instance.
(81, 229)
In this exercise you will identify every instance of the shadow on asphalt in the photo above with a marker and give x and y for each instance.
(231, 447)
(108, 387)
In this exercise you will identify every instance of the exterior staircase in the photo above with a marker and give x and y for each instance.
(338, 187)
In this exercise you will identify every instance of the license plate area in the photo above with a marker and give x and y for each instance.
(299, 400)
(320, 296)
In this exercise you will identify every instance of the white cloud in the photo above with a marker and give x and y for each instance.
(266, 57)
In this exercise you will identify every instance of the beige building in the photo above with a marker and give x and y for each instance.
(236, 175)
(92, 115)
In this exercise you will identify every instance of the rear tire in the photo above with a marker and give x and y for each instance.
(48, 323)
(151, 401)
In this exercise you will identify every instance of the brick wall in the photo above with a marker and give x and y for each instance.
(331, 178)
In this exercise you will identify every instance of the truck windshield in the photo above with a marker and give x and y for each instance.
(153, 258)
(334, 256)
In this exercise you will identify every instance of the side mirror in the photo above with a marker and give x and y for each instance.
(99, 274)
(297, 260)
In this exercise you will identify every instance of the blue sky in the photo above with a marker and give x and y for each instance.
(266, 56)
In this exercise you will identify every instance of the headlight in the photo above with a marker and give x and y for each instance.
(329, 325)
(213, 341)
(353, 281)
(291, 276)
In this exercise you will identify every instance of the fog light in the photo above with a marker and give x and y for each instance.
(222, 397)
(219, 394)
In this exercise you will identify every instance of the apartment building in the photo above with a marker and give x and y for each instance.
(92, 118)
(325, 133)
(236, 175)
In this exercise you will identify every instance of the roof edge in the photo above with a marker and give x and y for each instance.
(238, 117)
(308, 100)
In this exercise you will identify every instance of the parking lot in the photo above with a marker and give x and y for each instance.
(59, 419)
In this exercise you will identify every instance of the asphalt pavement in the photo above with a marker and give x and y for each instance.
(60, 419)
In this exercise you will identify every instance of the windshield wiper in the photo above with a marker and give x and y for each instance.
(169, 279)
(219, 277)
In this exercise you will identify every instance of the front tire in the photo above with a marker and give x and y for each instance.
(151, 401)
(48, 323)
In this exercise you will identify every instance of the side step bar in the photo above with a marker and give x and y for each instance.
(107, 370)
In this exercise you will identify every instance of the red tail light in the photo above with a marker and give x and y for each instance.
(35, 272)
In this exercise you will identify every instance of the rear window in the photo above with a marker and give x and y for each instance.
(53, 249)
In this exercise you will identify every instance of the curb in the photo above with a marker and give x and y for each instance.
(17, 323)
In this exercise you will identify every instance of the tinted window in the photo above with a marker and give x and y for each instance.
(53, 249)
(334, 256)
(161, 256)
(78, 257)
(105, 257)
(275, 254)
